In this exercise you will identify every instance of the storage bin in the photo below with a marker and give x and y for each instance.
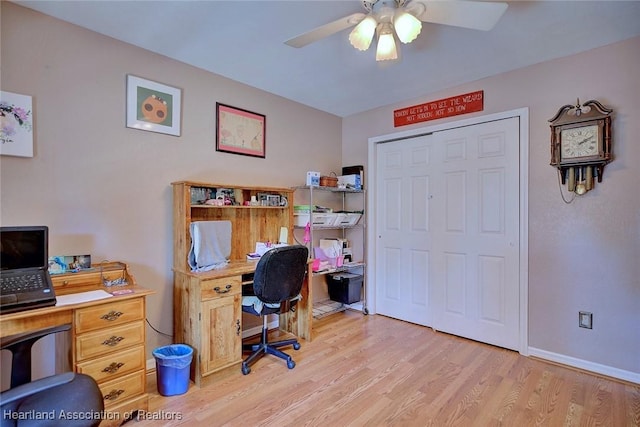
(353, 218)
(347, 219)
(339, 219)
(300, 219)
(323, 219)
(319, 219)
(344, 287)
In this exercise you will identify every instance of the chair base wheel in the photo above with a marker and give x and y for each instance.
(264, 347)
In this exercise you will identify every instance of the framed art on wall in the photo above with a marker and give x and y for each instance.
(153, 106)
(240, 131)
(16, 125)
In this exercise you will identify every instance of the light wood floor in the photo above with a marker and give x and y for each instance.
(375, 371)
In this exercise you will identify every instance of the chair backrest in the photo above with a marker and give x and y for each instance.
(20, 347)
(280, 273)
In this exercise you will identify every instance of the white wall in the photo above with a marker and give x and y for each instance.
(582, 256)
(104, 189)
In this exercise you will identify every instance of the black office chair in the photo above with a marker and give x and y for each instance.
(40, 402)
(277, 282)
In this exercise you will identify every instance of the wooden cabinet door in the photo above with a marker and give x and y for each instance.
(221, 333)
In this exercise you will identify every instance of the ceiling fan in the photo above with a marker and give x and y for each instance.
(402, 19)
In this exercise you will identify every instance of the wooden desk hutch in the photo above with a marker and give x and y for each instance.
(207, 305)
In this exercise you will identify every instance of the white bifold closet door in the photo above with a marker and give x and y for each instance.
(447, 231)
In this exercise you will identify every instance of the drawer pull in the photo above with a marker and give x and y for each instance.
(113, 367)
(238, 327)
(113, 341)
(111, 316)
(222, 291)
(113, 395)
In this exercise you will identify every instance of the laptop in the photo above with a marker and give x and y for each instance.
(25, 282)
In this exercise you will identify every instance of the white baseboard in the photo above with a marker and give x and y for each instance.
(585, 365)
(257, 330)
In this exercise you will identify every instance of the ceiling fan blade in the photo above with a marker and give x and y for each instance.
(325, 30)
(476, 15)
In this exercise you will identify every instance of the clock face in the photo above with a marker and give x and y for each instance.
(579, 142)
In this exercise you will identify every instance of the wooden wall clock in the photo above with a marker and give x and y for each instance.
(581, 144)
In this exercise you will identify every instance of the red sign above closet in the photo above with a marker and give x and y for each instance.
(461, 104)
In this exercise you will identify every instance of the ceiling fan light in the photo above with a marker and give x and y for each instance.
(387, 49)
(363, 33)
(407, 26)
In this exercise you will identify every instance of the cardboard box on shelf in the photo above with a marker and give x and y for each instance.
(350, 181)
(313, 178)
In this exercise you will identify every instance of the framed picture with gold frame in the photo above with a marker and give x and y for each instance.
(240, 131)
(153, 106)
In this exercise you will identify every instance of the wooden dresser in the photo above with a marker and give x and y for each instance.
(108, 336)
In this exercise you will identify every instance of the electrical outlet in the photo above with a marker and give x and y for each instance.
(585, 319)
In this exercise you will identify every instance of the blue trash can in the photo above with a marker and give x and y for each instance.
(173, 363)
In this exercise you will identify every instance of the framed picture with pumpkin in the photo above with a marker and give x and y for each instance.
(153, 106)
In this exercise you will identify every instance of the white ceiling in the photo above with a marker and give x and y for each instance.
(244, 40)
